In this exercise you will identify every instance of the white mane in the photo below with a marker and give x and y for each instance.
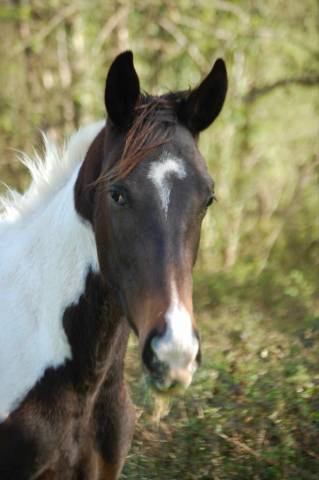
(48, 174)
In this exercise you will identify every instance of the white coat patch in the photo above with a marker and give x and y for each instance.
(46, 250)
(159, 173)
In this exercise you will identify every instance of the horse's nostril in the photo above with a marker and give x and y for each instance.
(149, 356)
(174, 384)
(199, 356)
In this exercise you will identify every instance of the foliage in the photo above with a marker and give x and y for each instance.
(253, 410)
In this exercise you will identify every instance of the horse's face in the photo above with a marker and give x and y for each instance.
(148, 221)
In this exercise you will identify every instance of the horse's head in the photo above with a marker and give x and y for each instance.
(149, 191)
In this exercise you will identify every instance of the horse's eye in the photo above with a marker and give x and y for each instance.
(118, 197)
(211, 200)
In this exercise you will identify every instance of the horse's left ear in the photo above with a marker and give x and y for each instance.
(200, 108)
(122, 90)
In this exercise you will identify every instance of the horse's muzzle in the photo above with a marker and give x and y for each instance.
(170, 365)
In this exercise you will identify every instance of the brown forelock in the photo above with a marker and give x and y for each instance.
(153, 125)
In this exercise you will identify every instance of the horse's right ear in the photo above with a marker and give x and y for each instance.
(122, 90)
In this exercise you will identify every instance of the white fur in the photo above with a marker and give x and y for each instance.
(159, 173)
(46, 250)
(179, 346)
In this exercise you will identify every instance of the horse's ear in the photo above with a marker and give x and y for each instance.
(200, 108)
(122, 90)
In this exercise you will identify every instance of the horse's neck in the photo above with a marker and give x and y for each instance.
(45, 264)
(98, 334)
(48, 256)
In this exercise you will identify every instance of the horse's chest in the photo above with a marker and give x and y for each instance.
(56, 441)
(75, 434)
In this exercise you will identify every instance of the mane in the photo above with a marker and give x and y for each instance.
(154, 122)
(48, 173)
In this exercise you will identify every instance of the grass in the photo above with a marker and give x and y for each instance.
(252, 411)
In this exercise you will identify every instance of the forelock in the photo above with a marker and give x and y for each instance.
(154, 124)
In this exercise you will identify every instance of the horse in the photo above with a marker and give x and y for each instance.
(103, 242)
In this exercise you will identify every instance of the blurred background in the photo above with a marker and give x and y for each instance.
(253, 410)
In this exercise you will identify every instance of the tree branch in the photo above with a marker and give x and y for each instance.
(310, 80)
(49, 27)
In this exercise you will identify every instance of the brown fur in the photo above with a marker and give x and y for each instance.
(77, 422)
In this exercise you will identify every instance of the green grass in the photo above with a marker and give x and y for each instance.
(252, 411)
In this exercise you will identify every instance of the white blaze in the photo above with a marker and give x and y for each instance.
(159, 173)
(178, 347)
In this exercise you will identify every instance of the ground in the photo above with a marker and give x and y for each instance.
(252, 411)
